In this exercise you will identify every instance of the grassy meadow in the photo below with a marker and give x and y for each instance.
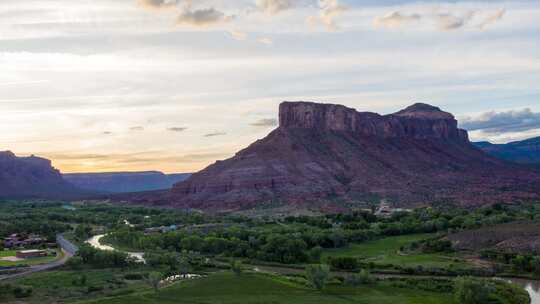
(227, 288)
(387, 251)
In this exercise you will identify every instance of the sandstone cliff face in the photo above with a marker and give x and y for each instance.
(419, 121)
(32, 177)
(323, 152)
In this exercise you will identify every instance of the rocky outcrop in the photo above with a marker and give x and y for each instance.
(419, 121)
(123, 182)
(324, 152)
(27, 177)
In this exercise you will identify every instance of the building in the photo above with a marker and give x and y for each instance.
(32, 253)
(20, 240)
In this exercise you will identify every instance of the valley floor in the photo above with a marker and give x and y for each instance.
(227, 288)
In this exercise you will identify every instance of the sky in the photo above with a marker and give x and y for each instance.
(128, 85)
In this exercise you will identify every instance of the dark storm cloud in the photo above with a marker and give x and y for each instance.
(501, 122)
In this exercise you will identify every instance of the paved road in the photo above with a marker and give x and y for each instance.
(68, 249)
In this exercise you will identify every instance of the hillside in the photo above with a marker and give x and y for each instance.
(123, 182)
(29, 177)
(324, 152)
(523, 152)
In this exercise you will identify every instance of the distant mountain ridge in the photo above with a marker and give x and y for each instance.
(523, 152)
(124, 182)
(33, 177)
(324, 152)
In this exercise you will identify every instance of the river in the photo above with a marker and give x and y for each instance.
(95, 242)
(532, 287)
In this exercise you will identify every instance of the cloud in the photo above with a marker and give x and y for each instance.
(137, 128)
(396, 19)
(265, 122)
(448, 22)
(265, 40)
(238, 35)
(503, 122)
(273, 7)
(444, 21)
(176, 129)
(329, 11)
(215, 134)
(157, 4)
(492, 18)
(201, 17)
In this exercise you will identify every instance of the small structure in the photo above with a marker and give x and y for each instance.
(20, 240)
(32, 253)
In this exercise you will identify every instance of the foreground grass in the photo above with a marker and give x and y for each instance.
(7, 253)
(59, 286)
(227, 288)
(386, 251)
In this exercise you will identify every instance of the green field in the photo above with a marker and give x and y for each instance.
(226, 288)
(7, 253)
(31, 261)
(58, 286)
(386, 251)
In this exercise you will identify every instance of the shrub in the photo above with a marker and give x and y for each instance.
(471, 291)
(317, 275)
(344, 263)
(22, 291)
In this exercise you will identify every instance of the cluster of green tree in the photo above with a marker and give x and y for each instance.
(469, 290)
(88, 255)
(519, 262)
(48, 218)
(283, 244)
(433, 245)
(300, 239)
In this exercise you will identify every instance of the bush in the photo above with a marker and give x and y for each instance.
(343, 263)
(471, 291)
(22, 291)
(365, 277)
(317, 275)
(134, 276)
(236, 267)
(94, 288)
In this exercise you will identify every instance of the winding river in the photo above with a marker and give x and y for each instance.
(95, 242)
(532, 287)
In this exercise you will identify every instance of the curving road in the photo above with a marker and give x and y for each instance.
(68, 249)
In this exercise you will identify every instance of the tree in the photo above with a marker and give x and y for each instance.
(315, 254)
(318, 275)
(236, 267)
(184, 266)
(471, 291)
(153, 279)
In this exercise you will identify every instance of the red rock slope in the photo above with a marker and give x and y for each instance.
(324, 151)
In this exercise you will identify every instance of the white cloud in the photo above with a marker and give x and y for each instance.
(492, 18)
(396, 19)
(273, 7)
(265, 40)
(443, 19)
(203, 17)
(238, 35)
(329, 11)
